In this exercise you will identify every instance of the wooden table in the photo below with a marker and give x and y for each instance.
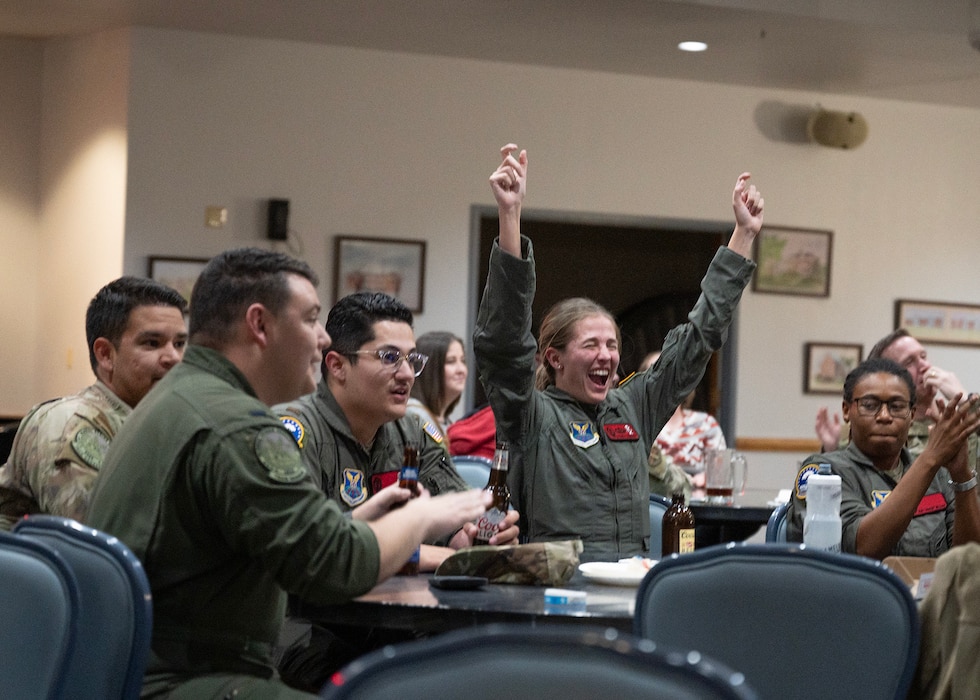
(410, 603)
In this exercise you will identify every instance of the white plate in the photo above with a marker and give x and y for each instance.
(624, 573)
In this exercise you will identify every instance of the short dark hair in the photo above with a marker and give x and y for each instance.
(234, 280)
(350, 322)
(430, 386)
(879, 348)
(108, 312)
(873, 366)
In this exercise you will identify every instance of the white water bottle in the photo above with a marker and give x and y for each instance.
(822, 527)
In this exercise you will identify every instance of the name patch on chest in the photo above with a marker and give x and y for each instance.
(621, 432)
(379, 481)
(582, 433)
(930, 503)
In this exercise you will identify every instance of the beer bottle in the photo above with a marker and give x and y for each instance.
(408, 478)
(678, 528)
(488, 524)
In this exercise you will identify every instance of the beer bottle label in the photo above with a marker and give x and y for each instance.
(408, 473)
(489, 523)
(685, 541)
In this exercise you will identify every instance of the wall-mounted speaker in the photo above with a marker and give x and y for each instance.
(837, 129)
(278, 225)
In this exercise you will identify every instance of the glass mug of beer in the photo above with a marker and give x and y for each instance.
(725, 472)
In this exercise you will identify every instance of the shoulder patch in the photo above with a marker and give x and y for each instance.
(279, 455)
(295, 429)
(803, 477)
(432, 431)
(583, 433)
(90, 444)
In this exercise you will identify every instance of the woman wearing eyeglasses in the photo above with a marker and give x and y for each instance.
(584, 443)
(890, 503)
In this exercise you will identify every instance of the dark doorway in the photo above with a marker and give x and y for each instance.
(646, 272)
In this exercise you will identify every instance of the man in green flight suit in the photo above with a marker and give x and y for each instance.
(226, 519)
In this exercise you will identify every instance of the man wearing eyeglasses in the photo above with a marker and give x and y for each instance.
(890, 503)
(353, 430)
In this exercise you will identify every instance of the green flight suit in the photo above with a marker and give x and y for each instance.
(209, 490)
(863, 488)
(584, 468)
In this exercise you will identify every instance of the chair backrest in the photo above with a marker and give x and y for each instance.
(116, 618)
(474, 470)
(38, 619)
(798, 623)
(658, 506)
(776, 527)
(516, 661)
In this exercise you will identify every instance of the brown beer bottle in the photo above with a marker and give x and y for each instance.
(678, 528)
(488, 524)
(408, 478)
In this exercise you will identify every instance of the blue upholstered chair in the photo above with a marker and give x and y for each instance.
(517, 662)
(38, 619)
(798, 623)
(116, 617)
(658, 506)
(776, 527)
(474, 470)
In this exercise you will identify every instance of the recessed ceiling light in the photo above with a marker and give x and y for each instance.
(692, 46)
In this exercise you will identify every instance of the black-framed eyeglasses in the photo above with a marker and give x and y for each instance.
(393, 358)
(871, 405)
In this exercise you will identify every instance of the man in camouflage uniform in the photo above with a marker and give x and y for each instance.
(135, 332)
(225, 518)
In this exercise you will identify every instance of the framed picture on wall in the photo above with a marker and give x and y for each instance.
(827, 364)
(390, 265)
(179, 273)
(939, 322)
(793, 261)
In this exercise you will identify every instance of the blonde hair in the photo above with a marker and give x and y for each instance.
(558, 328)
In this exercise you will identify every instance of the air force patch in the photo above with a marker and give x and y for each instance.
(90, 445)
(279, 455)
(295, 429)
(877, 496)
(803, 477)
(353, 492)
(583, 433)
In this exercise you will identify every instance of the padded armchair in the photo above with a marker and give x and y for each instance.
(116, 617)
(516, 661)
(474, 470)
(658, 506)
(798, 623)
(776, 527)
(38, 619)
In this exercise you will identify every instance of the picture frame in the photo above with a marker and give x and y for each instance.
(826, 364)
(793, 261)
(939, 322)
(392, 265)
(179, 273)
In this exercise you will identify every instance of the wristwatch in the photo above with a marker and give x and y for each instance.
(960, 486)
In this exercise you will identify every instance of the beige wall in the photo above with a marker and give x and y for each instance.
(381, 144)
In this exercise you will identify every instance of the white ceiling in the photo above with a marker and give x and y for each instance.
(912, 50)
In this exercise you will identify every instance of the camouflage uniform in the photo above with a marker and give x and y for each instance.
(917, 440)
(209, 491)
(57, 453)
